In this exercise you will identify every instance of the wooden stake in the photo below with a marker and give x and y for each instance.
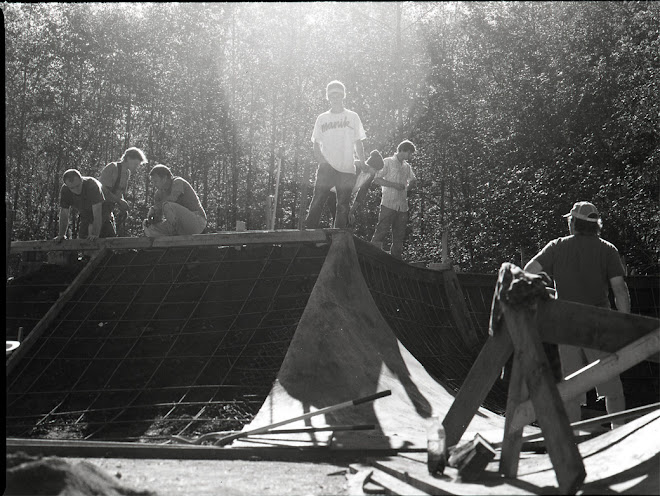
(459, 309)
(564, 454)
(512, 443)
(483, 374)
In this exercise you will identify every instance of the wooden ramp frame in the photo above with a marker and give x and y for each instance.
(50, 316)
(523, 316)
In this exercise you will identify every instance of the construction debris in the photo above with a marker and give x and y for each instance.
(471, 458)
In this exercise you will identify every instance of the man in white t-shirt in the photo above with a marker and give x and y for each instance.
(395, 178)
(337, 136)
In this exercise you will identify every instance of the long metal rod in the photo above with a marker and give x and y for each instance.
(626, 414)
(266, 428)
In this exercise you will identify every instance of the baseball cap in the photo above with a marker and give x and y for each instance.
(335, 87)
(585, 211)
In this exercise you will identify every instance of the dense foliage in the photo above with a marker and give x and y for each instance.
(518, 110)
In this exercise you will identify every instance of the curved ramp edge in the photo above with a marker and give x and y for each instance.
(344, 349)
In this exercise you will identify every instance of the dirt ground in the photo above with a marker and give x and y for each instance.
(225, 477)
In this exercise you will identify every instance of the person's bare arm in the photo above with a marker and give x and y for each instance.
(175, 191)
(110, 196)
(64, 223)
(389, 184)
(359, 148)
(95, 227)
(318, 155)
(118, 199)
(107, 181)
(621, 294)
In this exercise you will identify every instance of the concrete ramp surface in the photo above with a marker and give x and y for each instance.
(344, 349)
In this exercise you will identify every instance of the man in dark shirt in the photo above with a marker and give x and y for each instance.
(86, 196)
(582, 266)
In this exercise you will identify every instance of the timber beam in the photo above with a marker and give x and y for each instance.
(566, 322)
(134, 450)
(229, 238)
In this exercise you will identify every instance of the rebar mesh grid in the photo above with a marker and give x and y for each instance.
(189, 340)
(415, 305)
(164, 341)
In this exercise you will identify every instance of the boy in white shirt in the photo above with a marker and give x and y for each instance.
(395, 178)
(338, 135)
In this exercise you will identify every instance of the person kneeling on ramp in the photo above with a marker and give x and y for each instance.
(176, 210)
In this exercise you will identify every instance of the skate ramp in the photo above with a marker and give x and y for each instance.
(344, 349)
(190, 339)
(160, 341)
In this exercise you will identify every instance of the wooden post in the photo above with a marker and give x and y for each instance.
(478, 383)
(269, 212)
(47, 319)
(277, 188)
(445, 247)
(303, 197)
(459, 308)
(564, 454)
(9, 226)
(512, 441)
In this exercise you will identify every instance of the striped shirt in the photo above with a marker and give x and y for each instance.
(395, 172)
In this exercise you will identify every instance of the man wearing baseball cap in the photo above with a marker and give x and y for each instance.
(583, 266)
(338, 136)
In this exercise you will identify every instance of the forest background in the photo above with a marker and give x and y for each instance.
(518, 109)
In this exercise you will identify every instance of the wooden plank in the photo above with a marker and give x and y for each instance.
(566, 322)
(231, 238)
(512, 442)
(459, 308)
(80, 244)
(114, 449)
(605, 456)
(597, 373)
(483, 374)
(245, 237)
(9, 228)
(564, 454)
(585, 424)
(54, 310)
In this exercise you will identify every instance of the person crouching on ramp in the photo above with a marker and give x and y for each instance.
(176, 210)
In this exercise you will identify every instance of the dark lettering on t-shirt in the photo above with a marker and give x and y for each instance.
(342, 123)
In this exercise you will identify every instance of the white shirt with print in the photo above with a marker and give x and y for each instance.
(395, 172)
(337, 134)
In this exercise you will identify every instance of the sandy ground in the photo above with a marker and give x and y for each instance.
(225, 477)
